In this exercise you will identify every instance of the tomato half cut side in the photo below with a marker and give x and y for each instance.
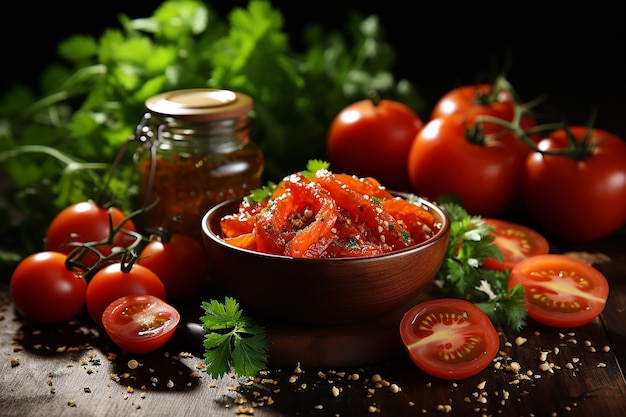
(140, 323)
(561, 291)
(449, 338)
(516, 242)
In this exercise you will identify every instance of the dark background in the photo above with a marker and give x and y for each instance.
(575, 54)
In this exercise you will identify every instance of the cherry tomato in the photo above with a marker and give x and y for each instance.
(140, 323)
(115, 281)
(44, 290)
(445, 160)
(449, 338)
(86, 222)
(180, 263)
(516, 242)
(577, 199)
(371, 138)
(561, 291)
(495, 100)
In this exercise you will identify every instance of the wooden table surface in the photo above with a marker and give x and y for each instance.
(73, 371)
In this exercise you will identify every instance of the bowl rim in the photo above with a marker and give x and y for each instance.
(443, 231)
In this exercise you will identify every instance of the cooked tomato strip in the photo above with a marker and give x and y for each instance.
(243, 221)
(420, 223)
(299, 216)
(367, 186)
(244, 241)
(387, 229)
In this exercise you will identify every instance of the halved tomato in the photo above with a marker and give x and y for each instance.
(561, 291)
(516, 242)
(140, 323)
(449, 338)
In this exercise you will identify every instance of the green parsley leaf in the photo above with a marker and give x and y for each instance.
(314, 165)
(232, 340)
(263, 193)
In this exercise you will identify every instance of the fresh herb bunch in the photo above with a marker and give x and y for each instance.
(232, 342)
(87, 106)
(463, 275)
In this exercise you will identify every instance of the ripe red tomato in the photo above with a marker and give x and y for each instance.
(449, 338)
(445, 160)
(86, 222)
(371, 138)
(495, 100)
(140, 323)
(45, 291)
(180, 263)
(516, 242)
(561, 291)
(112, 282)
(577, 199)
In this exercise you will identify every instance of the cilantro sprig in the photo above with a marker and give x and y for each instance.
(463, 275)
(232, 341)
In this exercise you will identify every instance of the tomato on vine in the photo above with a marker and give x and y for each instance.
(497, 100)
(179, 261)
(44, 290)
(87, 222)
(117, 280)
(574, 185)
(451, 157)
(371, 138)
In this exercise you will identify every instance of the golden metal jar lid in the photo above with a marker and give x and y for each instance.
(200, 104)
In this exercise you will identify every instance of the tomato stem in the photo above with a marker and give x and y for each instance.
(129, 257)
(575, 149)
(375, 97)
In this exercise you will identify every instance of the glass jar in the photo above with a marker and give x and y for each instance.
(196, 153)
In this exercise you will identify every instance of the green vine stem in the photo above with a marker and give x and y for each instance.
(127, 256)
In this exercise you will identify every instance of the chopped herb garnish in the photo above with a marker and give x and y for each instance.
(462, 274)
(263, 193)
(405, 236)
(353, 243)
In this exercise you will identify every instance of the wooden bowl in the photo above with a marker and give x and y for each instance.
(322, 292)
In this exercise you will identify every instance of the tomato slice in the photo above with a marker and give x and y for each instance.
(449, 338)
(561, 291)
(140, 323)
(516, 242)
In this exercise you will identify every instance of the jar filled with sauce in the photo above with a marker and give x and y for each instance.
(196, 153)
